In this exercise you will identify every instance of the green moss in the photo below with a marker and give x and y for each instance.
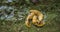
(51, 8)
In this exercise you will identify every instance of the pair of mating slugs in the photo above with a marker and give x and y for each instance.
(36, 18)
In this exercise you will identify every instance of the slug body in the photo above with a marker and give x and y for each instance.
(36, 18)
